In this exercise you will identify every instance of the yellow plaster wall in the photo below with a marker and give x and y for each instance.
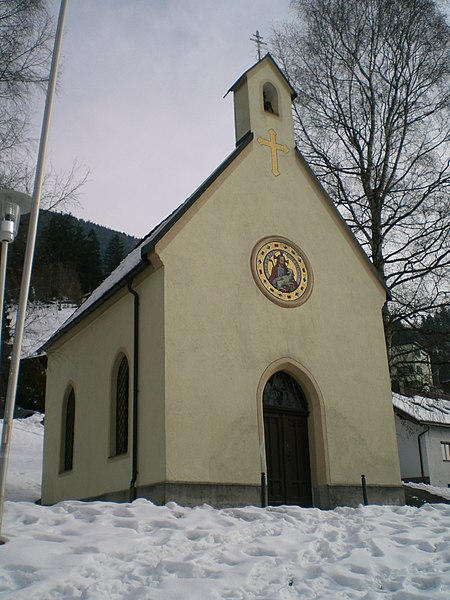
(249, 111)
(152, 467)
(209, 339)
(86, 360)
(222, 333)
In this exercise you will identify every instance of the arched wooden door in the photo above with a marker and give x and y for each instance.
(286, 437)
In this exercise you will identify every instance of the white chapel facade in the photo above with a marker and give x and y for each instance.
(237, 355)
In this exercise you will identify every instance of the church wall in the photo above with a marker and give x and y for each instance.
(86, 361)
(224, 333)
(241, 113)
(151, 433)
(210, 340)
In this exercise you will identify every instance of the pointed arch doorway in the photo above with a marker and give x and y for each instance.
(285, 411)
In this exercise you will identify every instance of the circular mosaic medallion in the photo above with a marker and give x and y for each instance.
(282, 271)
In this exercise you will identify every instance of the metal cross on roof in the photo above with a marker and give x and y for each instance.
(258, 39)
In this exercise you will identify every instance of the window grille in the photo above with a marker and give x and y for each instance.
(69, 432)
(282, 391)
(122, 408)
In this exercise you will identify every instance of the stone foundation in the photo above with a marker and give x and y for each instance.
(228, 495)
(330, 496)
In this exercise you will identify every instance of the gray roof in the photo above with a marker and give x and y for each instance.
(423, 409)
(136, 261)
(268, 57)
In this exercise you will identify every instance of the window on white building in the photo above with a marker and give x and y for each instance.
(445, 451)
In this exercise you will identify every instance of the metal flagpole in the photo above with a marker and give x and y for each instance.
(28, 264)
(4, 260)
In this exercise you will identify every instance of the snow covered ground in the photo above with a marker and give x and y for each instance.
(25, 459)
(139, 551)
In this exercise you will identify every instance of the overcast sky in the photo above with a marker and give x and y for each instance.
(140, 102)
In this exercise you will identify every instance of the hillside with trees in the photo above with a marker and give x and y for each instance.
(72, 257)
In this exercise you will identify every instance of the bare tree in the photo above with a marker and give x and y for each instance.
(25, 52)
(60, 190)
(26, 41)
(372, 121)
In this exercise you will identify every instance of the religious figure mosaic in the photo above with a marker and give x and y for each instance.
(281, 271)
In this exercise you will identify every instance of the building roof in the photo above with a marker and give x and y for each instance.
(136, 261)
(268, 57)
(423, 409)
(343, 222)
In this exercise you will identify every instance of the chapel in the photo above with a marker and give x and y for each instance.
(236, 356)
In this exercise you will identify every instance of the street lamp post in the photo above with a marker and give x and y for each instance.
(12, 205)
(28, 264)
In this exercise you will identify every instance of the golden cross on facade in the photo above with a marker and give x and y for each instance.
(274, 148)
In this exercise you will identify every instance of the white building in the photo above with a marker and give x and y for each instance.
(411, 366)
(423, 436)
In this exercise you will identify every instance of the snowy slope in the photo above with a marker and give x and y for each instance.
(25, 460)
(41, 322)
(139, 551)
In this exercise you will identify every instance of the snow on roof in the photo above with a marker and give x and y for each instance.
(423, 408)
(127, 265)
(116, 279)
(135, 258)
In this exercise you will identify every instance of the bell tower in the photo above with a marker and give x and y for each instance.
(263, 102)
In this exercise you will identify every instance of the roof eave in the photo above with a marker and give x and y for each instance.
(343, 222)
(183, 208)
(242, 78)
(108, 294)
(159, 233)
(406, 415)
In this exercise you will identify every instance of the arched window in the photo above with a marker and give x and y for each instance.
(120, 409)
(270, 98)
(68, 432)
(283, 392)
